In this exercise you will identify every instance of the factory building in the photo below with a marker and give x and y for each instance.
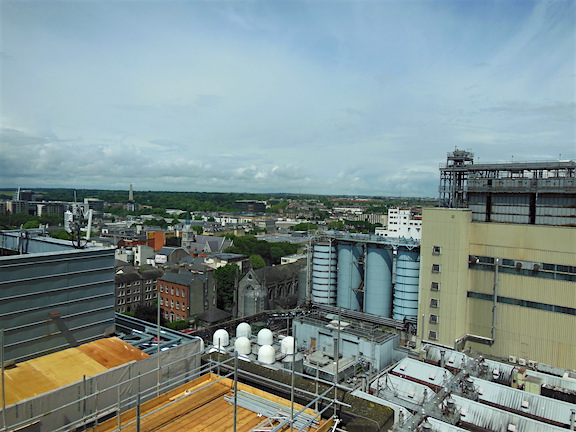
(497, 265)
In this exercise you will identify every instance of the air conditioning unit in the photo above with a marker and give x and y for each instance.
(532, 363)
(512, 359)
(522, 362)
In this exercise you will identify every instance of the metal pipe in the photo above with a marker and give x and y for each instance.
(495, 298)
(235, 387)
(292, 382)
(3, 378)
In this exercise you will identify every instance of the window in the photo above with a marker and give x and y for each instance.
(172, 290)
(436, 250)
(433, 335)
(435, 268)
(161, 288)
(177, 292)
(434, 303)
(178, 305)
(433, 319)
(435, 286)
(128, 292)
(183, 293)
(172, 303)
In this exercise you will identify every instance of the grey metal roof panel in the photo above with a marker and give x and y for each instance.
(424, 372)
(520, 400)
(389, 386)
(497, 420)
(178, 278)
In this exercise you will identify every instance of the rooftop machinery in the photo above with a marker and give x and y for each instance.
(366, 273)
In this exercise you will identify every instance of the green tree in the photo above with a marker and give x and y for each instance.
(336, 225)
(226, 280)
(31, 224)
(305, 226)
(257, 261)
(199, 229)
(149, 314)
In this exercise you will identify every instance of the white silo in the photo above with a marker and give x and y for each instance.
(242, 346)
(265, 337)
(267, 354)
(243, 330)
(221, 338)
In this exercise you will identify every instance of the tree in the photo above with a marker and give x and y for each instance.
(257, 261)
(336, 225)
(226, 280)
(199, 229)
(305, 226)
(149, 314)
(31, 224)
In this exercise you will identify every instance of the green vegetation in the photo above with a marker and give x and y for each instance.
(269, 252)
(178, 325)
(305, 226)
(226, 281)
(16, 220)
(257, 261)
(149, 314)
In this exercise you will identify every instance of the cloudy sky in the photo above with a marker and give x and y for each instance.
(303, 96)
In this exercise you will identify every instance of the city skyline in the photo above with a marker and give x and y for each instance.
(347, 97)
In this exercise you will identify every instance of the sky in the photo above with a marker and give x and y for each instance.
(345, 97)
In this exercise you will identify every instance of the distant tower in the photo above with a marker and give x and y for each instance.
(131, 194)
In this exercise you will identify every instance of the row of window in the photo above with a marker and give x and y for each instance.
(173, 291)
(540, 270)
(524, 303)
(170, 303)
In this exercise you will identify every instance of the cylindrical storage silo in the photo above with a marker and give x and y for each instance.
(349, 275)
(324, 274)
(406, 288)
(302, 285)
(378, 281)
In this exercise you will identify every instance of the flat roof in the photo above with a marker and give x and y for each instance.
(204, 405)
(52, 371)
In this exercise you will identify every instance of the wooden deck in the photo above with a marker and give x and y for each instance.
(199, 406)
(52, 371)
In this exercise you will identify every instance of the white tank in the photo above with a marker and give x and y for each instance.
(243, 329)
(265, 337)
(242, 345)
(266, 354)
(221, 338)
(287, 345)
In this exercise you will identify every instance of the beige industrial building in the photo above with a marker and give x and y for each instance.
(506, 289)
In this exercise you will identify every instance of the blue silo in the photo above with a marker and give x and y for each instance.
(378, 281)
(349, 275)
(406, 288)
(324, 274)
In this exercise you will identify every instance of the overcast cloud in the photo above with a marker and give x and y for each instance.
(304, 96)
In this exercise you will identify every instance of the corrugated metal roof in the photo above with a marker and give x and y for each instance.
(451, 358)
(506, 373)
(497, 420)
(523, 401)
(423, 371)
(393, 386)
(440, 426)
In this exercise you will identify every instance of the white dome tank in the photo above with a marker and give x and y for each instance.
(242, 345)
(287, 345)
(267, 354)
(265, 337)
(243, 329)
(221, 338)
